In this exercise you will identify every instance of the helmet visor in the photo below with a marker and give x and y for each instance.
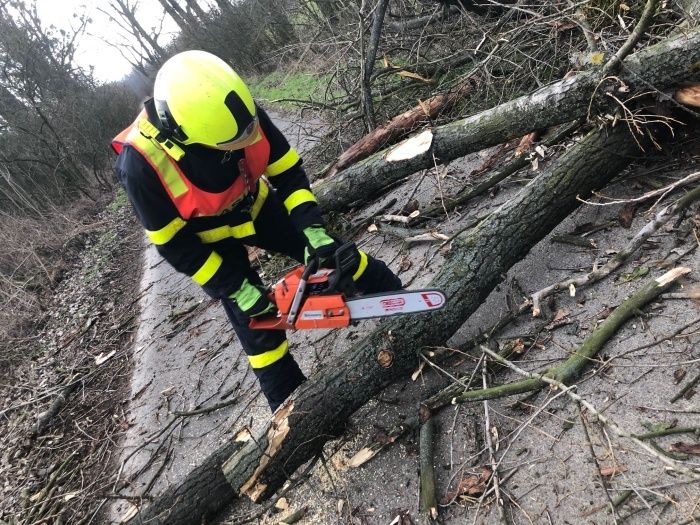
(243, 138)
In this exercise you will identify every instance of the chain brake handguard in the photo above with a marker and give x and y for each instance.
(347, 260)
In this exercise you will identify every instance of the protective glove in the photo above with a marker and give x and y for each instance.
(321, 245)
(253, 300)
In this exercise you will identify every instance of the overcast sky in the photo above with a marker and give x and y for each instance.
(93, 51)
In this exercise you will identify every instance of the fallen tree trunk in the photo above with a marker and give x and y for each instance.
(202, 494)
(475, 265)
(662, 65)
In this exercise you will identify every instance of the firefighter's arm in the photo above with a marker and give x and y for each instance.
(287, 175)
(175, 241)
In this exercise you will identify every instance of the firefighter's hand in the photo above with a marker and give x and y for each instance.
(253, 300)
(321, 246)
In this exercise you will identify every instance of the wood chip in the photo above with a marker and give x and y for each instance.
(686, 448)
(133, 511)
(361, 457)
(415, 375)
(243, 436)
(612, 471)
(102, 358)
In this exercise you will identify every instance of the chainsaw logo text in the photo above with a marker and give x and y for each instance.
(393, 304)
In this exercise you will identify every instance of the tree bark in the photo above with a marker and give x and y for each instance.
(203, 493)
(368, 67)
(661, 66)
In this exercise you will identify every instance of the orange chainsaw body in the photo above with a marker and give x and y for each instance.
(317, 310)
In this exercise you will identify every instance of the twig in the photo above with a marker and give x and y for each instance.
(665, 338)
(489, 444)
(614, 63)
(620, 432)
(661, 218)
(428, 502)
(575, 364)
(686, 388)
(603, 482)
(44, 418)
(668, 432)
(661, 191)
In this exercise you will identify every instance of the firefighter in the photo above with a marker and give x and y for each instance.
(192, 165)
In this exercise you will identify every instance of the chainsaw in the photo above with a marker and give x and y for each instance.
(313, 297)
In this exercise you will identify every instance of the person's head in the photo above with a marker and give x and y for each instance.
(200, 99)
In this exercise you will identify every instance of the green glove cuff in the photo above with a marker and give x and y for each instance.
(246, 296)
(317, 236)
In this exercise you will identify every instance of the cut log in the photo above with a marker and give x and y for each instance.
(397, 127)
(476, 264)
(661, 66)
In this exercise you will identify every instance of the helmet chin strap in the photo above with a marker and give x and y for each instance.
(153, 128)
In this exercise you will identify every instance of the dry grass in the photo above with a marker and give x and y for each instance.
(34, 252)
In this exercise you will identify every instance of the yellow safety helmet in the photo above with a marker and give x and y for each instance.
(200, 99)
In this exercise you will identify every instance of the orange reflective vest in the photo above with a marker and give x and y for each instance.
(190, 200)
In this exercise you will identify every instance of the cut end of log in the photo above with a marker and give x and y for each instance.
(689, 95)
(672, 275)
(279, 428)
(385, 358)
(411, 147)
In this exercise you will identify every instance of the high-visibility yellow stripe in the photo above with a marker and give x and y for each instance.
(167, 232)
(362, 266)
(282, 164)
(246, 296)
(260, 198)
(222, 232)
(269, 357)
(241, 230)
(298, 197)
(208, 269)
(161, 163)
